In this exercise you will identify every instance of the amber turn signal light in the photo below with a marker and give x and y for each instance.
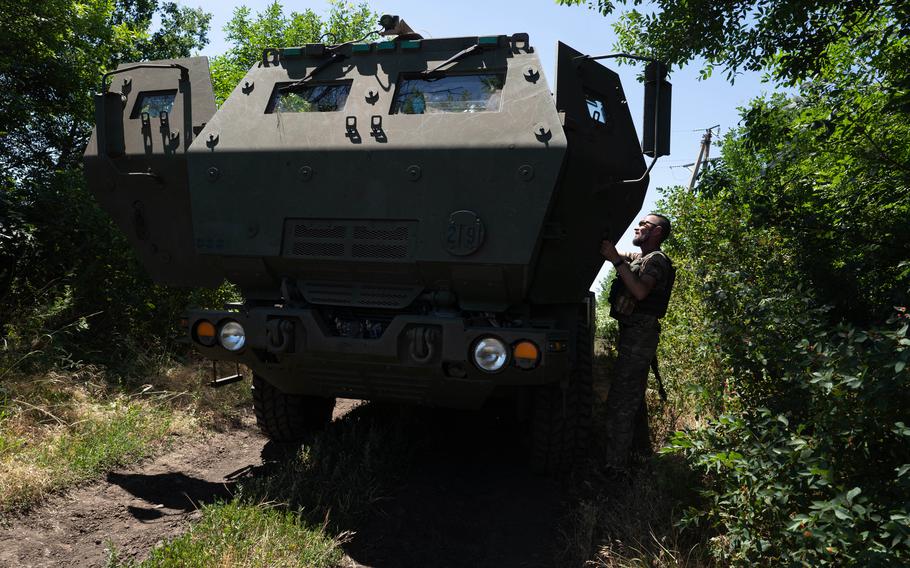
(526, 355)
(205, 333)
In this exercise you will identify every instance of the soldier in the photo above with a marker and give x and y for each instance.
(638, 299)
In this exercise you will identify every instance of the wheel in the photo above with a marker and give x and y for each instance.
(562, 412)
(288, 417)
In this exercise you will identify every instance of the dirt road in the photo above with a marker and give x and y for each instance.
(131, 509)
(469, 501)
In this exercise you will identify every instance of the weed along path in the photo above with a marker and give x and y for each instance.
(132, 509)
(402, 488)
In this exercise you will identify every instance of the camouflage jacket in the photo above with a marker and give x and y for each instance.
(658, 266)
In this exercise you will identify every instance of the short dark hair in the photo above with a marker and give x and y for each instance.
(664, 223)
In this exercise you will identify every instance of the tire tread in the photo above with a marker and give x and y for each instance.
(562, 414)
(286, 417)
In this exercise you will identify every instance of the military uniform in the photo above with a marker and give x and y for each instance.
(639, 331)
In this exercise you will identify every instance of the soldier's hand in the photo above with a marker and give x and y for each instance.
(608, 250)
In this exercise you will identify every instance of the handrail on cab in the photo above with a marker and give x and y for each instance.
(184, 72)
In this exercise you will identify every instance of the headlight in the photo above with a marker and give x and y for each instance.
(490, 354)
(232, 336)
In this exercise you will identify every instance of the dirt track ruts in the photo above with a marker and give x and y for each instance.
(133, 509)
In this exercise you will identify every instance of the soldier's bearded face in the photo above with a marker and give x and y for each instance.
(642, 232)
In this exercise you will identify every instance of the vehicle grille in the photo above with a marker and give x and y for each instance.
(305, 248)
(346, 239)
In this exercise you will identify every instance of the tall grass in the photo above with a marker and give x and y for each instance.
(57, 429)
(239, 534)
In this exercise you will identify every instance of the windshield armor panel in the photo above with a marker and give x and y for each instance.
(480, 92)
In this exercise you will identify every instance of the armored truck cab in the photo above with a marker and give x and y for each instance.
(411, 220)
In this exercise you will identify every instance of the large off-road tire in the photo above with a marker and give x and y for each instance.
(562, 412)
(288, 418)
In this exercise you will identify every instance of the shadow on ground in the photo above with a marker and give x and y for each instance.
(467, 498)
(172, 491)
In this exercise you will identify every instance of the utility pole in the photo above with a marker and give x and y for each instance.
(703, 153)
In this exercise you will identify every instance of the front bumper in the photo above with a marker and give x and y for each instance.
(293, 350)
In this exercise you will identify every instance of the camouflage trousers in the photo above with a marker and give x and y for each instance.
(638, 336)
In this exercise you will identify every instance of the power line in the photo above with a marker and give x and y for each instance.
(717, 126)
(690, 164)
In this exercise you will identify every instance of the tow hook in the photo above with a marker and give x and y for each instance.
(280, 333)
(422, 343)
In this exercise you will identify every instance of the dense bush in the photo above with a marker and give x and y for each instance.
(76, 291)
(793, 253)
(827, 481)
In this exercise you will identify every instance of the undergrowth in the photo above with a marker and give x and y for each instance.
(633, 520)
(62, 428)
(240, 534)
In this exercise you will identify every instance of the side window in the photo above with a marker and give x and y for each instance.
(597, 109)
(320, 97)
(154, 103)
(479, 92)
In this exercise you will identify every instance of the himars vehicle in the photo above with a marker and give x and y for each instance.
(413, 220)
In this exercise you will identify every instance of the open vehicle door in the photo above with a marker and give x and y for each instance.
(594, 200)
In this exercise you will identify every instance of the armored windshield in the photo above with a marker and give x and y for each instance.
(310, 98)
(481, 92)
(154, 103)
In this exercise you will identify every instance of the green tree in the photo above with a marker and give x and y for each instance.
(64, 268)
(794, 251)
(271, 28)
(52, 55)
(791, 38)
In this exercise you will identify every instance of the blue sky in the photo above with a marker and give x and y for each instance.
(697, 105)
